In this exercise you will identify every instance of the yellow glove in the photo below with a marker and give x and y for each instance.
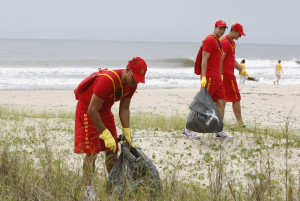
(203, 81)
(109, 141)
(127, 134)
(222, 77)
(244, 73)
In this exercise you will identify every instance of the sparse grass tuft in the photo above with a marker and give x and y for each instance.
(37, 160)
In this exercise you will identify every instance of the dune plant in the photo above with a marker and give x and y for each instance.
(37, 160)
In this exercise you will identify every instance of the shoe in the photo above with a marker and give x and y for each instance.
(224, 135)
(189, 134)
(89, 194)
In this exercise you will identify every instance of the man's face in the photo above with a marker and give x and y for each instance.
(131, 80)
(237, 35)
(219, 31)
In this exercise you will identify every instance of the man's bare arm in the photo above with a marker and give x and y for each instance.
(93, 112)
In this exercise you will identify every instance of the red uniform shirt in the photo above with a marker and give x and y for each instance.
(104, 89)
(210, 45)
(86, 135)
(228, 46)
(231, 88)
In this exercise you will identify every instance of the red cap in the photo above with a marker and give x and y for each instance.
(221, 23)
(139, 68)
(239, 28)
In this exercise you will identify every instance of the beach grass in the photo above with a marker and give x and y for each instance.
(37, 161)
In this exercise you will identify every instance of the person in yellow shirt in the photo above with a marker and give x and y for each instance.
(278, 72)
(242, 78)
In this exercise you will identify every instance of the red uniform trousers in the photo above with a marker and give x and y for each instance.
(231, 88)
(215, 87)
(87, 136)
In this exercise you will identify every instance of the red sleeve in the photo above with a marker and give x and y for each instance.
(208, 44)
(103, 87)
(129, 91)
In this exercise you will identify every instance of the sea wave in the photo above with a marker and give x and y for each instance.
(61, 63)
(172, 62)
(152, 63)
(166, 62)
(29, 78)
(252, 63)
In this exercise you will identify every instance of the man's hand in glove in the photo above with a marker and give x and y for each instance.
(127, 134)
(109, 141)
(203, 81)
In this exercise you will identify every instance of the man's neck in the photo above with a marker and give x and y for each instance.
(216, 35)
(123, 77)
(230, 35)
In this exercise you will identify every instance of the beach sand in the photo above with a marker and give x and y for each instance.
(262, 107)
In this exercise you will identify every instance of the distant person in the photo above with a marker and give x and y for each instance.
(95, 129)
(228, 65)
(242, 78)
(211, 74)
(278, 72)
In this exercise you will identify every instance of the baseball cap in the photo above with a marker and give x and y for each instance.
(139, 68)
(239, 28)
(221, 23)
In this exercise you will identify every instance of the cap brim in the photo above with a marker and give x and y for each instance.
(222, 26)
(138, 78)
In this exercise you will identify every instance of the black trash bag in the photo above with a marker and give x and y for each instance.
(133, 170)
(204, 117)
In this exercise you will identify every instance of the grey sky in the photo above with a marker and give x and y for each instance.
(264, 21)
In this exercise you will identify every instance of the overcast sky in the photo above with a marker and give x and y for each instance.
(264, 21)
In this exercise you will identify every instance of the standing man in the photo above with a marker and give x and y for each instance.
(229, 64)
(95, 128)
(209, 58)
(211, 72)
(278, 71)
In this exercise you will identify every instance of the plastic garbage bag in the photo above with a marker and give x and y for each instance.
(204, 117)
(133, 170)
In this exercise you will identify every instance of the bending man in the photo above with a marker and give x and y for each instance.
(95, 129)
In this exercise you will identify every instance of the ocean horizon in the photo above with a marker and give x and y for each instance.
(28, 64)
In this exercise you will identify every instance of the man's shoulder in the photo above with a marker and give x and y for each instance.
(109, 75)
(225, 41)
(103, 81)
(209, 38)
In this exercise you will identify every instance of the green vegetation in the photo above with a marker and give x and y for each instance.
(37, 160)
(10, 112)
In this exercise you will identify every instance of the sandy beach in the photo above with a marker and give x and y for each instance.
(261, 105)
(264, 107)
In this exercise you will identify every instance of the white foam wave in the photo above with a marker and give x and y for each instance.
(159, 77)
(254, 63)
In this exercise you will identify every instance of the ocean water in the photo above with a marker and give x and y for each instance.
(62, 64)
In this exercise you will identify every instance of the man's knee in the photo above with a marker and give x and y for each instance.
(89, 158)
(221, 102)
(111, 156)
(110, 160)
(236, 103)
